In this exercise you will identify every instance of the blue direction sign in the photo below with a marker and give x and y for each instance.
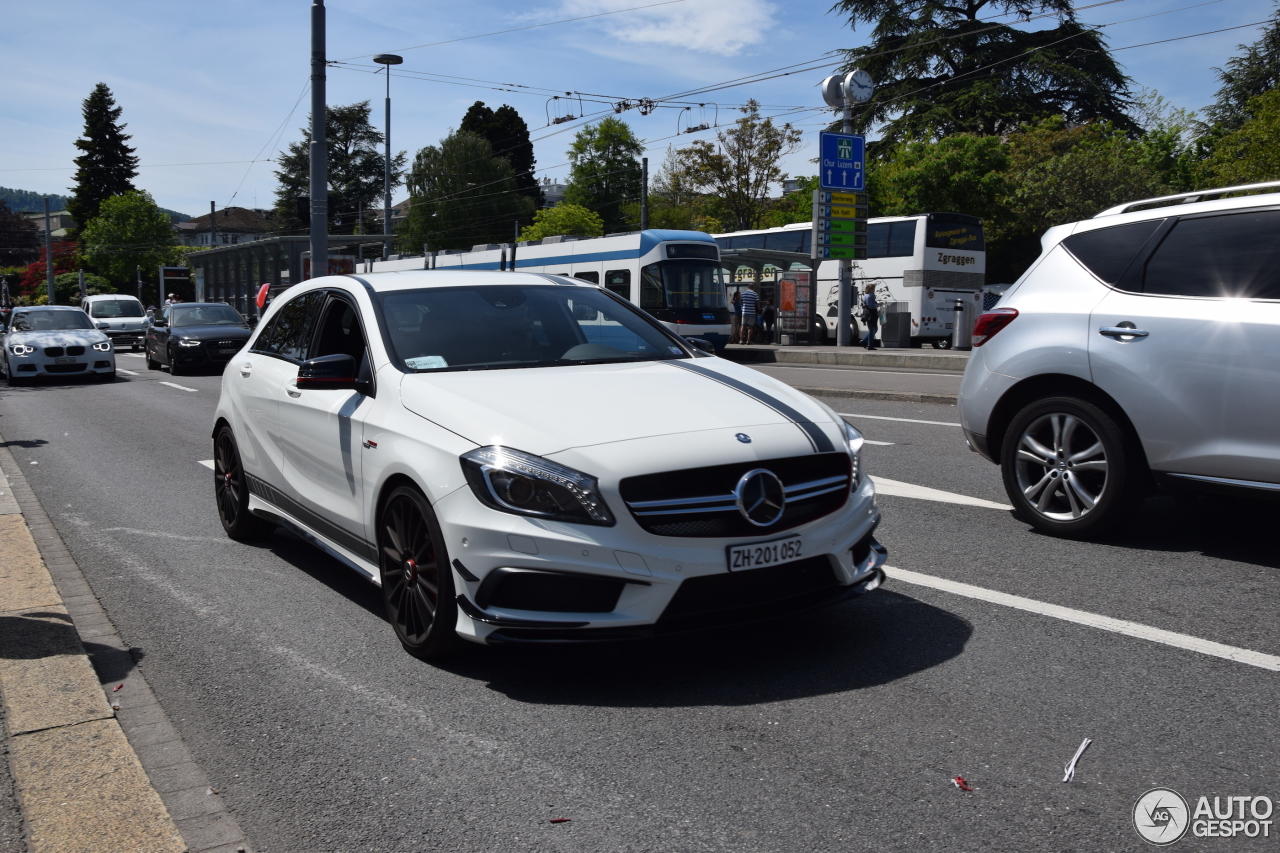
(842, 161)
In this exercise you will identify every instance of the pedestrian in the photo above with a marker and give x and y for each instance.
(767, 318)
(870, 315)
(172, 300)
(736, 304)
(750, 306)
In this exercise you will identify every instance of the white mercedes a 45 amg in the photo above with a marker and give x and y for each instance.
(528, 458)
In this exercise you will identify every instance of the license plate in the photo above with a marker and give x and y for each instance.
(66, 360)
(761, 554)
(228, 351)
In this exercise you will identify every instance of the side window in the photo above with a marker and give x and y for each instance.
(619, 281)
(290, 330)
(1234, 255)
(1107, 252)
(165, 314)
(593, 277)
(340, 331)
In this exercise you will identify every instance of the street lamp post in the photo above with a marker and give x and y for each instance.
(387, 59)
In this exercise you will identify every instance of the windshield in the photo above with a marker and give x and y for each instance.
(116, 308)
(205, 315)
(50, 321)
(682, 284)
(510, 326)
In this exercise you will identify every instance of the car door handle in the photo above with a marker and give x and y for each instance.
(293, 391)
(245, 370)
(1122, 332)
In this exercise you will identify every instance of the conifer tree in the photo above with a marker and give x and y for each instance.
(107, 167)
(509, 136)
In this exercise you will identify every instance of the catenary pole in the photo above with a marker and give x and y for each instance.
(213, 226)
(844, 335)
(644, 193)
(319, 148)
(137, 272)
(386, 178)
(48, 253)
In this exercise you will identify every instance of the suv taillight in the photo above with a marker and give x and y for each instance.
(991, 322)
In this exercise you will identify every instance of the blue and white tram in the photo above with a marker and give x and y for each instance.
(673, 275)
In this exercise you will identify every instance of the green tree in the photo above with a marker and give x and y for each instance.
(130, 230)
(740, 169)
(940, 69)
(963, 173)
(605, 173)
(356, 179)
(1254, 72)
(462, 195)
(564, 219)
(509, 136)
(675, 199)
(19, 238)
(67, 286)
(1248, 154)
(107, 167)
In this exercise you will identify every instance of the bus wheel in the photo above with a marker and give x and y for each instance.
(941, 343)
(819, 331)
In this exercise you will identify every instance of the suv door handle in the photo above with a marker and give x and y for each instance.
(1122, 332)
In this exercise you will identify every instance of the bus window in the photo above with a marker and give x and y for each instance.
(750, 241)
(619, 281)
(787, 241)
(891, 239)
(593, 277)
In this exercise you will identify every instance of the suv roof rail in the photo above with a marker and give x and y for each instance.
(1185, 198)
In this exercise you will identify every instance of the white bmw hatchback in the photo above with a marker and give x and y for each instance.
(525, 458)
(54, 340)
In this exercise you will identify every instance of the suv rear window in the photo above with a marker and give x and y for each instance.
(1236, 255)
(1107, 252)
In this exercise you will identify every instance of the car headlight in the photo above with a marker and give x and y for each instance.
(188, 343)
(21, 349)
(105, 346)
(524, 484)
(855, 441)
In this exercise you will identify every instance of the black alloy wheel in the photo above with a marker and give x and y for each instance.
(10, 377)
(231, 489)
(417, 583)
(152, 363)
(174, 369)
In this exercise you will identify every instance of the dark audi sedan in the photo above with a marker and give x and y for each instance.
(192, 335)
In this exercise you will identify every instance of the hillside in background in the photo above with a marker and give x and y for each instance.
(22, 200)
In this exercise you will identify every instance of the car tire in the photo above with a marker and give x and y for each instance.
(1069, 468)
(152, 363)
(231, 491)
(135, 348)
(10, 378)
(174, 369)
(417, 581)
(941, 343)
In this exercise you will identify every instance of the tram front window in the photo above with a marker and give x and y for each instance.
(682, 285)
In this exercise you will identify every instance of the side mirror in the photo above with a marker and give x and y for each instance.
(700, 344)
(104, 325)
(158, 323)
(328, 373)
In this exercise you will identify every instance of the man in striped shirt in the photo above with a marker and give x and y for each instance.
(750, 305)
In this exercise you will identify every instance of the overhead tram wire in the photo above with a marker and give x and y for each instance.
(270, 143)
(521, 29)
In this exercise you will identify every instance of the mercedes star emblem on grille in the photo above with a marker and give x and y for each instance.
(761, 497)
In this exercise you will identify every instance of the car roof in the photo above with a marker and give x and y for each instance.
(100, 296)
(383, 282)
(45, 308)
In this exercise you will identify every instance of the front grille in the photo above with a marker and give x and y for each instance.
(75, 350)
(699, 502)
(65, 368)
(53, 352)
(229, 344)
(749, 594)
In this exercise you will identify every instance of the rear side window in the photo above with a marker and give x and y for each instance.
(891, 239)
(1107, 252)
(593, 277)
(290, 330)
(1237, 255)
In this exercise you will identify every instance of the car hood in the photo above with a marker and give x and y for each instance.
(56, 338)
(211, 333)
(548, 410)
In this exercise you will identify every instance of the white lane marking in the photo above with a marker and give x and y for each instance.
(1093, 620)
(848, 370)
(899, 489)
(208, 463)
(905, 420)
(882, 443)
(130, 355)
(179, 387)
(126, 372)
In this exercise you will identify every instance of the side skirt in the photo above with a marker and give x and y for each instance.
(361, 566)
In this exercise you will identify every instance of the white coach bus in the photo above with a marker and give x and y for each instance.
(673, 275)
(923, 263)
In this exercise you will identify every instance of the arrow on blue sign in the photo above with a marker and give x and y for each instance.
(843, 161)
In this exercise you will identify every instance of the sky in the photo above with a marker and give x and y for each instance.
(209, 88)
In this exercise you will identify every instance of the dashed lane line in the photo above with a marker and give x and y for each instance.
(1092, 620)
(179, 387)
(208, 463)
(896, 488)
(130, 355)
(881, 443)
(126, 372)
(904, 420)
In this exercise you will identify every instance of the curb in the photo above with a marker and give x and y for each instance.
(846, 358)
(896, 396)
(93, 770)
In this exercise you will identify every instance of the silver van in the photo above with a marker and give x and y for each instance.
(119, 315)
(1141, 349)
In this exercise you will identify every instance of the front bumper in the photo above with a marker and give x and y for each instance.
(124, 336)
(31, 366)
(202, 356)
(660, 584)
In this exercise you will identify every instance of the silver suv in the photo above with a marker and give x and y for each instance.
(1142, 349)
